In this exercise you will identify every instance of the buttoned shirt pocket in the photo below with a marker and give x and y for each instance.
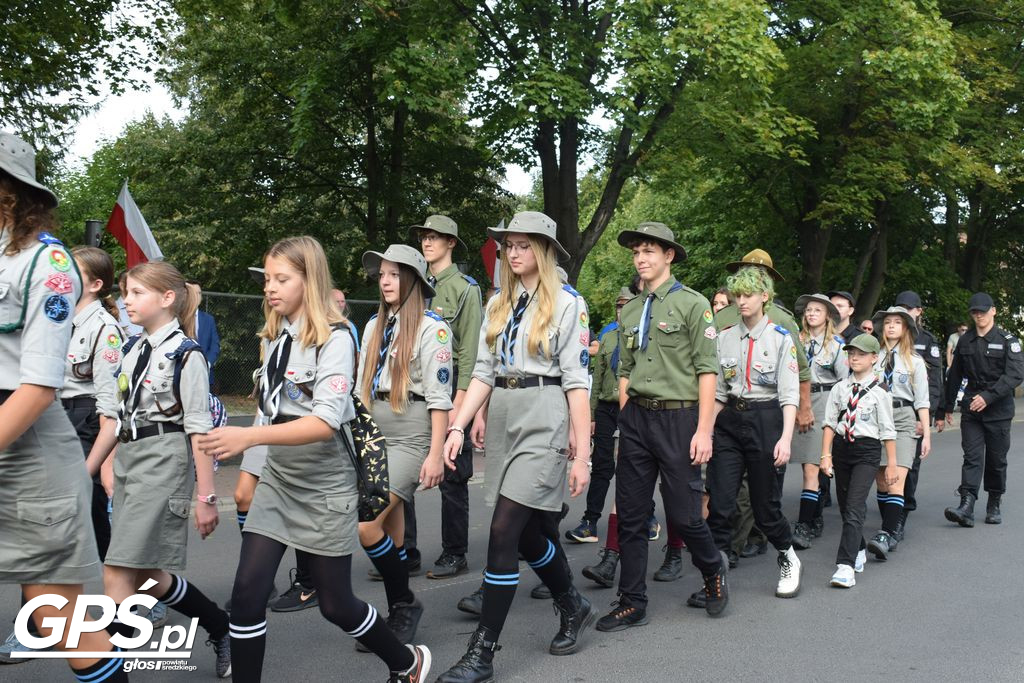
(729, 368)
(995, 350)
(79, 356)
(669, 334)
(763, 372)
(9, 312)
(160, 383)
(301, 374)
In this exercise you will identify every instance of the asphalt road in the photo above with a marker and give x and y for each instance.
(947, 606)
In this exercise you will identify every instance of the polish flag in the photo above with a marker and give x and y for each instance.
(490, 254)
(130, 229)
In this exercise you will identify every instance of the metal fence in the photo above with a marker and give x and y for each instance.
(239, 318)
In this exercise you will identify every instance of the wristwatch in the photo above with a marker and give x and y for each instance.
(210, 499)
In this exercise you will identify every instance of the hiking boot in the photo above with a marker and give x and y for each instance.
(603, 573)
(576, 614)
(672, 568)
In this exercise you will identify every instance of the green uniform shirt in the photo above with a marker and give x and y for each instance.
(605, 386)
(458, 301)
(681, 344)
(730, 315)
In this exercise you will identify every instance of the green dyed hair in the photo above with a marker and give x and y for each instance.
(751, 280)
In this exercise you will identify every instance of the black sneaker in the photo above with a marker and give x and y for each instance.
(420, 668)
(448, 565)
(403, 619)
(540, 592)
(296, 598)
(697, 599)
(716, 592)
(472, 603)
(622, 617)
(817, 527)
(222, 648)
(802, 536)
(879, 546)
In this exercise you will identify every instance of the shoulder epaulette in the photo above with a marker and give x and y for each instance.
(47, 238)
(613, 325)
(677, 287)
(839, 339)
(132, 341)
(187, 344)
(569, 289)
(781, 330)
(373, 317)
(1008, 335)
(470, 280)
(435, 316)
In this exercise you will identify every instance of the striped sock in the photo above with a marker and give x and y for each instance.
(378, 639)
(891, 514)
(240, 515)
(103, 670)
(387, 558)
(117, 626)
(499, 590)
(190, 601)
(550, 567)
(808, 505)
(248, 644)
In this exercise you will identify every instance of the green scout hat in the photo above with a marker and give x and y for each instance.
(625, 295)
(864, 342)
(442, 225)
(532, 223)
(19, 159)
(659, 232)
(403, 254)
(801, 304)
(879, 318)
(758, 257)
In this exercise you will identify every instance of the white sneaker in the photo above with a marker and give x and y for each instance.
(844, 577)
(789, 574)
(862, 557)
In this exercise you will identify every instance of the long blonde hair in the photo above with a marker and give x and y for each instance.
(306, 256)
(547, 294)
(161, 276)
(410, 317)
(830, 331)
(904, 345)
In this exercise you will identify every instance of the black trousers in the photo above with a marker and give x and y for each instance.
(653, 442)
(606, 421)
(910, 486)
(985, 445)
(83, 415)
(855, 465)
(745, 442)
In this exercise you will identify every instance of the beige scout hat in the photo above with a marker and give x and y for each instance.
(442, 225)
(532, 223)
(625, 295)
(879, 318)
(403, 254)
(18, 158)
(758, 257)
(659, 232)
(801, 304)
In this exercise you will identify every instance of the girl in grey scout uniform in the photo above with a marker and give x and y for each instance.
(307, 496)
(159, 422)
(406, 380)
(89, 378)
(755, 407)
(858, 420)
(532, 366)
(46, 543)
(903, 373)
(827, 361)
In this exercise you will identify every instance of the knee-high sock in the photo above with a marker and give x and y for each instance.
(808, 505)
(499, 590)
(185, 598)
(385, 557)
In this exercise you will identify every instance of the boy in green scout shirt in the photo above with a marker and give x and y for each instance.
(667, 374)
(457, 300)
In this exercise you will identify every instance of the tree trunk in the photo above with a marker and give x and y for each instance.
(868, 301)
(373, 171)
(951, 242)
(973, 266)
(814, 239)
(567, 213)
(862, 264)
(396, 168)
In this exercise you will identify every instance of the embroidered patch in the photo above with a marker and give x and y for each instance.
(291, 389)
(584, 358)
(443, 375)
(439, 310)
(730, 373)
(1015, 347)
(583, 320)
(338, 384)
(112, 356)
(792, 352)
(442, 336)
(792, 366)
(935, 352)
(59, 282)
(56, 308)
(903, 379)
(662, 325)
(59, 260)
(711, 332)
(707, 316)
(122, 382)
(444, 355)
(585, 338)
(113, 341)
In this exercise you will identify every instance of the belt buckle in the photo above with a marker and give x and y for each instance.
(512, 382)
(655, 404)
(741, 404)
(124, 436)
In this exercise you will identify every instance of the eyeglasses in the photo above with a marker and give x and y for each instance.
(521, 246)
(432, 237)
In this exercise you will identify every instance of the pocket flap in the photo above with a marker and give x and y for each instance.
(179, 506)
(343, 504)
(300, 373)
(159, 381)
(47, 511)
(729, 362)
(669, 328)
(764, 367)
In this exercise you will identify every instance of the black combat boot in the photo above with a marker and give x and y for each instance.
(603, 573)
(963, 515)
(477, 665)
(992, 513)
(576, 614)
(901, 526)
(672, 568)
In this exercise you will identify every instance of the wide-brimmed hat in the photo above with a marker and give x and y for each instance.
(879, 318)
(257, 274)
(757, 257)
(625, 294)
(442, 225)
(658, 232)
(532, 223)
(802, 301)
(864, 342)
(18, 158)
(403, 254)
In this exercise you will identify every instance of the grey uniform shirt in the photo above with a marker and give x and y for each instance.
(157, 383)
(568, 339)
(430, 368)
(906, 384)
(36, 353)
(316, 381)
(758, 364)
(827, 361)
(94, 357)
(873, 417)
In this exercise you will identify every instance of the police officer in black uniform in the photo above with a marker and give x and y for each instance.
(989, 358)
(928, 348)
(847, 306)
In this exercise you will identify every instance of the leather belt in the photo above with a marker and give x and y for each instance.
(386, 396)
(84, 401)
(746, 404)
(817, 388)
(902, 403)
(514, 382)
(661, 404)
(148, 431)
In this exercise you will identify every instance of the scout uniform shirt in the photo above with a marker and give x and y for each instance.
(316, 380)
(39, 287)
(827, 365)
(157, 402)
(457, 300)
(872, 417)
(993, 367)
(758, 364)
(606, 367)
(568, 338)
(730, 315)
(680, 343)
(430, 368)
(905, 384)
(93, 357)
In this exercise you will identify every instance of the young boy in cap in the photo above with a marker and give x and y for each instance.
(667, 375)
(989, 358)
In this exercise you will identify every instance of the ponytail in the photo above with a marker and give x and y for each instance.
(187, 309)
(161, 276)
(110, 306)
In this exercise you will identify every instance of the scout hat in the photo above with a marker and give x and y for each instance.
(625, 294)
(908, 300)
(864, 342)
(19, 159)
(981, 302)
(532, 223)
(801, 304)
(758, 257)
(879, 318)
(658, 232)
(256, 273)
(842, 295)
(403, 254)
(442, 225)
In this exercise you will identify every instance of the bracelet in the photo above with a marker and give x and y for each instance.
(460, 430)
(826, 455)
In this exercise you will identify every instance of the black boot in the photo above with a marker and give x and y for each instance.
(576, 614)
(901, 526)
(477, 665)
(473, 603)
(992, 513)
(672, 568)
(963, 515)
(603, 573)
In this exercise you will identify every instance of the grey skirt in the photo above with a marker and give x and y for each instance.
(408, 443)
(307, 498)
(906, 440)
(253, 460)
(806, 447)
(527, 446)
(46, 533)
